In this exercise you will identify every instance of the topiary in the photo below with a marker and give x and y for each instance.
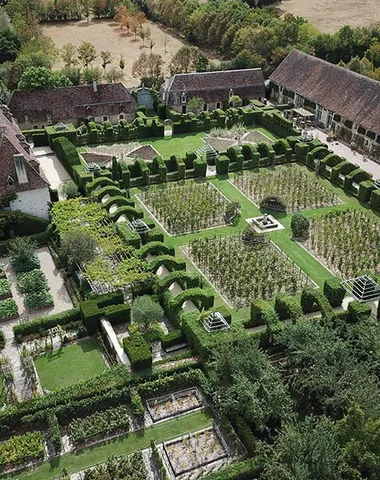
(299, 225)
(273, 202)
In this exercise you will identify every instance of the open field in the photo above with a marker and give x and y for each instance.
(330, 15)
(105, 35)
(70, 364)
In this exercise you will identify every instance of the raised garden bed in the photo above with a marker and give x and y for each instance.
(195, 450)
(5, 289)
(8, 309)
(174, 404)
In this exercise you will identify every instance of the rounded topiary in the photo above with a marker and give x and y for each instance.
(300, 225)
(273, 202)
(334, 292)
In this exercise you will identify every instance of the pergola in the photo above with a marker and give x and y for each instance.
(303, 115)
(362, 289)
(215, 322)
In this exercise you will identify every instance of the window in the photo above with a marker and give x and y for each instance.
(299, 101)
(218, 104)
(184, 109)
(105, 118)
(205, 107)
(42, 126)
(318, 113)
(183, 97)
(121, 116)
(330, 117)
(35, 127)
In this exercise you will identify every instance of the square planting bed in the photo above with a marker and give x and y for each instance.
(174, 404)
(195, 450)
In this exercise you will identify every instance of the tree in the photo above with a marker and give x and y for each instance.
(106, 59)
(113, 75)
(355, 65)
(68, 54)
(187, 59)
(306, 450)
(9, 46)
(40, 78)
(99, 8)
(149, 68)
(23, 255)
(69, 189)
(134, 26)
(74, 74)
(122, 16)
(86, 7)
(122, 63)
(145, 311)
(79, 246)
(86, 53)
(144, 33)
(195, 104)
(89, 74)
(235, 101)
(299, 225)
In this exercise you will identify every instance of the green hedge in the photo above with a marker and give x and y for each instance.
(138, 351)
(334, 292)
(288, 307)
(118, 313)
(312, 300)
(358, 312)
(155, 248)
(92, 310)
(67, 154)
(185, 280)
(171, 263)
(108, 189)
(365, 190)
(203, 299)
(222, 164)
(375, 200)
(245, 434)
(243, 470)
(99, 182)
(175, 337)
(42, 324)
(261, 313)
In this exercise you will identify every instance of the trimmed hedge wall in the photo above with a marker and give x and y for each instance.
(262, 313)
(93, 310)
(67, 154)
(203, 298)
(171, 263)
(243, 470)
(288, 307)
(184, 279)
(175, 337)
(334, 292)
(155, 248)
(312, 299)
(357, 312)
(42, 324)
(222, 165)
(138, 351)
(118, 313)
(375, 200)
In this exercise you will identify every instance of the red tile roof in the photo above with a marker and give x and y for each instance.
(75, 102)
(214, 87)
(12, 143)
(351, 95)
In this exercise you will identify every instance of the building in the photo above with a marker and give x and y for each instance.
(76, 104)
(214, 88)
(342, 100)
(21, 185)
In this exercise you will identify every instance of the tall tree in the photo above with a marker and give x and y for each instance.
(69, 54)
(148, 67)
(40, 78)
(86, 53)
(106, 59)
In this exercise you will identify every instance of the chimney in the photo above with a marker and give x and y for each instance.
(95, 86)
(22, 177)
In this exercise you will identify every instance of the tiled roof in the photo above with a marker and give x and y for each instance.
(214, 86)
(351, 95)
(66, 103)
(12, 143)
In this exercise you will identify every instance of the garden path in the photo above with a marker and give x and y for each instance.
(62, 302)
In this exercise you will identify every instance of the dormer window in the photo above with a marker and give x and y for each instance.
(183, 97)
(230, 94)
(26, 117)
(48, 116)
(10, 181)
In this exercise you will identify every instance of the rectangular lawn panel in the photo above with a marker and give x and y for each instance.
(299, 188)
(70, 364)
(186, 208)
(243, 272)
(347, 241)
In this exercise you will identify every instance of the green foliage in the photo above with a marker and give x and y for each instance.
(69, 189)
(299, 225)
(175, 337)
(39, 78)
(32, 282)
(262, 313)
(79, 246)
(22, 448)
(118, 313)
(41, 325)
(2, 340)
(288, 307)
(242, 470)
(54, 432)
(93, 310)
(9, 45)
(5, 289)
(146, 311)
(222, 163)
(99, 424)
(36, 300)
(23, 256)
(131, 466)
(67, 154)
(8, 309)
(358, 312)
(375, 200)
(334, 292)
(312, 300)
(138, 351)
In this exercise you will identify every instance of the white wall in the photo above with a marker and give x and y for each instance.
(34, 202)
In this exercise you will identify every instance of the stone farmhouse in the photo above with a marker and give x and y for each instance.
(343, 101)
(76, 104)
(19, 171)
(215, 88)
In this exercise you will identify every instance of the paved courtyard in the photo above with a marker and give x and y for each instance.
(51, 167)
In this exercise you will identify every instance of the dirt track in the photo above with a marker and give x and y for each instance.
(330, 15)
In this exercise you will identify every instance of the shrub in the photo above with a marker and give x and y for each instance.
(262, 313)
(375, 200)
(312, 300)
(36, 300)
(32, 282)
(118, 313)
(79, 246)
(8, 308)
(244, 432)
(92, 310)
(358, 312)
(22, 448)
(66, 153)
(138, 351)
(5, 289)
(222, 165)
(299, 225)
(54, 432)
(334, 292)
(2, 340)
(42, 324)
(146, 311)
(23, 256)
(288, 307)
(175, 337)
(99, 423)
(273, 202)
(69, 189)
(243, 470)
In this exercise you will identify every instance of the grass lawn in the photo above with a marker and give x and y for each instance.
(120, 446)
(69, 365)
(176, 145)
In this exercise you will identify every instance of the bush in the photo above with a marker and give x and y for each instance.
(273, 202)
(358, 312)
(69, 189)
(175, 337)
(138, 351)
(23, 256)
(375, 200)
(54, 432)
(22, 448)
(8, 309)
(32, 282)
(334, 292)
(299, 225)
(2, 340)
(222, 165)
(244, 432)
(146, 311)
(92, 310)
(36, 300)
(288, 307)
(43, 324)
(312, 300)
(243, 470)
(5, 289)
(79, 246)
(262, 313)
(118, 313)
